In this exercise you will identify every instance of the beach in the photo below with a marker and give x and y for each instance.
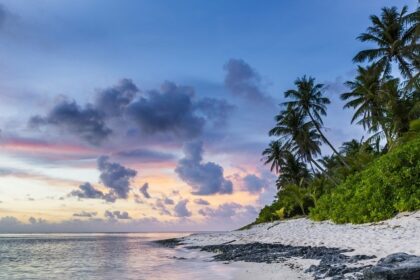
(304, 249)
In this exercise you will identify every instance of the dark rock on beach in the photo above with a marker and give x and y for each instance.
(171, 242)
(399, 266)
(333, 263)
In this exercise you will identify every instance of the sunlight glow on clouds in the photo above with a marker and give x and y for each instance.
(150, 125)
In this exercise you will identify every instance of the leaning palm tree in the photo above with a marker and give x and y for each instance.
(393, 33)
(275, 154)
(367, 98)
(300, 135)
(309, 100)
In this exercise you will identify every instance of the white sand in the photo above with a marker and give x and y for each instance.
(263, 271)
(399, 234)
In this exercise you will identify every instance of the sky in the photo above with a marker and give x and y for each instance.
(152, 115)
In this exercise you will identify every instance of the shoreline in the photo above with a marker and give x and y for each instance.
(303, 249)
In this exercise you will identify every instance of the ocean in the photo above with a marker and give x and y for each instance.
(103, 256)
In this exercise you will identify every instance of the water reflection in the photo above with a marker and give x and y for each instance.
(102, 256)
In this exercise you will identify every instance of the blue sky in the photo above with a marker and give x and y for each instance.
(52, 51)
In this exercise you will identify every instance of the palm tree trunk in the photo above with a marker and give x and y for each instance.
(312, 168)
(326, 141)
(302, 208)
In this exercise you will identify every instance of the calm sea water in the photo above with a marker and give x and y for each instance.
(102, 256)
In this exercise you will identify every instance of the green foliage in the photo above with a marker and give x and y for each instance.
(388, 185)
(364, 182)
(280, 213)
(268, 213)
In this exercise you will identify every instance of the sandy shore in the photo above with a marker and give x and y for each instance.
(262, 271)
(399, 234)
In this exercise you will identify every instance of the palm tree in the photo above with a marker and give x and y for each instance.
(301, 136)
(297, 194)
(275, 154)
(351, 147)
(365, 96)
(309, 100)
(393, 33)
(293, 171)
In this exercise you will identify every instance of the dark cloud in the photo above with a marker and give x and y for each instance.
(119, 110)
(144, 190)
(145, 155)
(86, 190)
(204, 178)
(84, 214)
(117, 215)
(168, 201)
(201, 201)
(253, 183)
(168, 110)
(181, 209)
(243, 81)
(88, 123)
(216, 110)
(112, 101)
(115, 176)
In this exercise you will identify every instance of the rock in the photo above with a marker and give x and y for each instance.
(333, 263)
(399, 266)
(171, 242)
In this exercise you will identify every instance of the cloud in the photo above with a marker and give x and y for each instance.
(217, 110)
(144, 190)
(86, 190)
(117, 215)
(168, 201)
(88, 123)
(160, 206)
(253, 183)
(223, 210)
(112, 101)
(34, 221)
(145, 155)
(243, 81)
(168, 110)
(204, 178)
(229, 211)
(115, 176)
(120, 110)
(137, 199)
(181, 209)
(84, 214)
(201, 201)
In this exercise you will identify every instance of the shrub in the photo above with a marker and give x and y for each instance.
(388, 185)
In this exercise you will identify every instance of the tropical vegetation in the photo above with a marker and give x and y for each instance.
(364, 180)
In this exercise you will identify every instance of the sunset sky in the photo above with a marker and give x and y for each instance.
(152, 115)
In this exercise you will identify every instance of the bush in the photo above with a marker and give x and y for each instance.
(388, 185)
